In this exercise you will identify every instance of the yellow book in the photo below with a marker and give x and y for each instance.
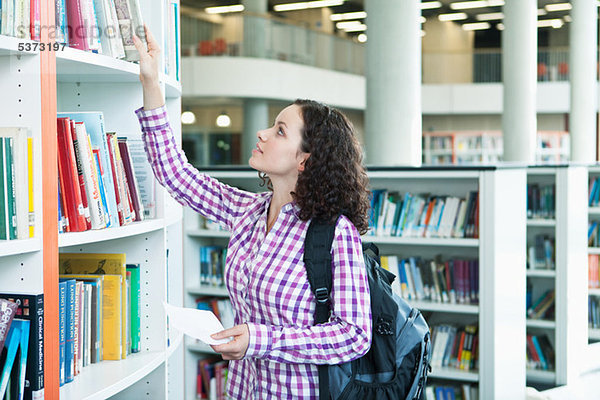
(96, 263)
(30, 186)
(112, 328)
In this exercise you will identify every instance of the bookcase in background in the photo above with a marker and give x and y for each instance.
(38, 84)
(500, 250)
(561, 220)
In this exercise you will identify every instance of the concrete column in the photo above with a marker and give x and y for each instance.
(255, 28)
(583, 43)
(256, 117)
(393, 115)
(519, 63)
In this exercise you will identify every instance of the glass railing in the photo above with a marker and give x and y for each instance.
(272, 38)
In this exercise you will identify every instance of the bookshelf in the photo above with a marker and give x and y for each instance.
(500, 250)
(565, 276)
(40, 84)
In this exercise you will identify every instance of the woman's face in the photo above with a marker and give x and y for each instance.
(277, 151)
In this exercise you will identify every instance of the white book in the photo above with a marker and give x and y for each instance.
(93, 33)
(393, 268)
(458, 230)
(20, 167)
(117, 40)
(144, 176)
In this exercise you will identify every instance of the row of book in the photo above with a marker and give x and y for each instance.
(541, 201)
(540, 353)
(23, 350)
(21, 18)
(17, 216)
(423, 215)
(220, 307)
(593, 275)
(452, 392)
(454, 347)
(542, 307)
(99, 310)
(104, 180)
(542, 254)
(212, 265)
(594, 192)
(593, 236)
(211, 379)
(454, 281)
(594, 312)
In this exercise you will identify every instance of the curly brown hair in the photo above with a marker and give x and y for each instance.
(334, 180)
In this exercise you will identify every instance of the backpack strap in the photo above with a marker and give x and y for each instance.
(317, 260)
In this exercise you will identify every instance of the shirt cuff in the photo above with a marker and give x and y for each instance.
(261, 339)
(152, 120)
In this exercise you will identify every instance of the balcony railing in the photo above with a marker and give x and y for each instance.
(273, 38)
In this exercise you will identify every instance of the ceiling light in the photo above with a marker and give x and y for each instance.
(428, 5)
(495, 3)
(477, 26)
(224, 9)
(347, 24)
(452, 17)
(463, 5)
(423, 19)
(422, 33)
(347, 16)
(307, 4)
(362, 38)
(356, 28)
(500, 26)
(541, 12)
(489, 16)
(223, 120)
(558, 7)
(568, 18)
(188, 117)
(547, 23)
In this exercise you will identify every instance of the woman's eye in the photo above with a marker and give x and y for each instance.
(280, 131)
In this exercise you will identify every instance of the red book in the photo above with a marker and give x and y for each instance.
(113, 169)
(35, 20)
(68, 174)
(84, 199)
(76, 25)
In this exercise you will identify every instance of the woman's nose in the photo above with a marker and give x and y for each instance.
(261, 135)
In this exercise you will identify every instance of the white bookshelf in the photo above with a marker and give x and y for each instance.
(500, 250)
(569, 279)
(93, 82)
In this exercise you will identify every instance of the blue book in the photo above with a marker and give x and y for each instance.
(70, 329)
(538, 349)
(94, 126)
(24, 326)
(101, 184)
(62, 327)
(12, 345)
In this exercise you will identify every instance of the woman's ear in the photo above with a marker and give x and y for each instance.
(302, 164)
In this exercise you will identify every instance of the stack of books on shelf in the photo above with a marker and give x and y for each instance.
(21, 19)
(454, 281)
(424, 215)
(541, 202)
(99, 310)
(455, 347)
(452, 392)
(211, 378)
(542, 254)
(594, 312)
(542, 307)
(21, 346)
(104, 180)
(212, 265)
(17, 215)
(540, 353)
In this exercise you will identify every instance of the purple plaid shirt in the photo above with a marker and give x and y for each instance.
(266, 278)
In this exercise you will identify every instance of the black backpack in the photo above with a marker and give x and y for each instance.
(397, 364)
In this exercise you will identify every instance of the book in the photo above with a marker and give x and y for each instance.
(138, 206)
(70, 305)
(62, 328)
(135, 307)
(31, 307)
(144, 176)
(12, 344)
(8, 309)
(21, 366)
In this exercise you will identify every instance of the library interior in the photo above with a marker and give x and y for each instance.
(476, 124)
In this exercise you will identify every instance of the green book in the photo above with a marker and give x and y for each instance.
(135, 312)
(3, 203)
(10, 189)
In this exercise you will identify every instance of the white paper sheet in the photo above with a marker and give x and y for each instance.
(199, 324)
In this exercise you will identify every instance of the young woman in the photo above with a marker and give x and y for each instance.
(313, 163)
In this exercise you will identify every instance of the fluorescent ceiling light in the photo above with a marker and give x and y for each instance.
(361, 38)
(307, 4)
(547, 23)
(558, 7)
(188, 118)
(477, 26)
(500, 26)
(224, 9)
(423, 19)
(428, 5)
(495, 3)
(464, 5)
(357, 28)
(347, 24)
(489, 16)
(541, 12)
(568, 18)
(347, 16)
(452, 17)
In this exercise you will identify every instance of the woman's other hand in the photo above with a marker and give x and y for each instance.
(236, 349)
